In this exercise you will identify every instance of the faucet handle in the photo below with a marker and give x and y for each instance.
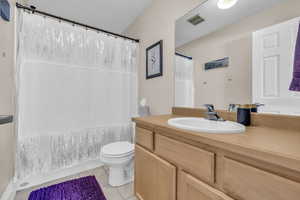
(210, 107)
(232, 107)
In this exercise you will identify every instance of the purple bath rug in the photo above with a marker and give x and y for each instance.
(86, 188)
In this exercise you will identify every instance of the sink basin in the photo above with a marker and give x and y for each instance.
(207, 126)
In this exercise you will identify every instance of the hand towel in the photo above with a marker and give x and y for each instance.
(5, 10)
(295, 85)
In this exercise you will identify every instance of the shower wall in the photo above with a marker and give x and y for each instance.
(7, 137)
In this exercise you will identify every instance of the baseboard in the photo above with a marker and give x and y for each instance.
(10, 192)
(38, 180)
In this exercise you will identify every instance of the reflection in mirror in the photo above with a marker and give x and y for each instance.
(242, 53)
(184, 81)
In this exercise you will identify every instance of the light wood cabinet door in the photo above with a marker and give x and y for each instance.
(190, 188)
(245, 182)
(155, 179)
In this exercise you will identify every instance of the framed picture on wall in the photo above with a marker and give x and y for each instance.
(154, 60)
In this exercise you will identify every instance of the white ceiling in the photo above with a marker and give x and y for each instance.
(216, 18)
(111, 15)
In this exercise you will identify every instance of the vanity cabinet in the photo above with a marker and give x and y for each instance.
(173, 168)
(155, 179)
(191, 188)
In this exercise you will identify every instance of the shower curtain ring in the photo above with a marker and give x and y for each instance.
(33, 8)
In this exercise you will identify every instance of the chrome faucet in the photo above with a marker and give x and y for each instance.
(212, 114)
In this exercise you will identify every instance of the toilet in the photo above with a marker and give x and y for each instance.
(119, 157)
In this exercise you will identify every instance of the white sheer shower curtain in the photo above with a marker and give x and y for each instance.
(184, 82)
(77, 91)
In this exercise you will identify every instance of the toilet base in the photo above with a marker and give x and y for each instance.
(119, 176)
(119, 157)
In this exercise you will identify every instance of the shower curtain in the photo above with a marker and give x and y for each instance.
(184, 82)
(77, 91)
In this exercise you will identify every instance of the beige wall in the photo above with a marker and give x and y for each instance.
(7, 139)
(158, 23)
(233, 84)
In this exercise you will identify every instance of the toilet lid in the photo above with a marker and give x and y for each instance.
(118, 149)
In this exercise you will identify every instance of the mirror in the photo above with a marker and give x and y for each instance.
(238, 52)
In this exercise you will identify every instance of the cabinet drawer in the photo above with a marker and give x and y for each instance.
(144, 138)
(194, 160)
(190, 188)
(249, 183)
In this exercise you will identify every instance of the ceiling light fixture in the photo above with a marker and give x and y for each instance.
(225, 4)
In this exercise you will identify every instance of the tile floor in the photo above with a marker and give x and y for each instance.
(112, 193)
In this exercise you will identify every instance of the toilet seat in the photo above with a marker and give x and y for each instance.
(117, 150)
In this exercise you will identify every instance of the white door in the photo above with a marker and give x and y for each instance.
(273, 58)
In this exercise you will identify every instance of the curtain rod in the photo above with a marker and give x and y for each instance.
(188, 57)
(33, 10)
